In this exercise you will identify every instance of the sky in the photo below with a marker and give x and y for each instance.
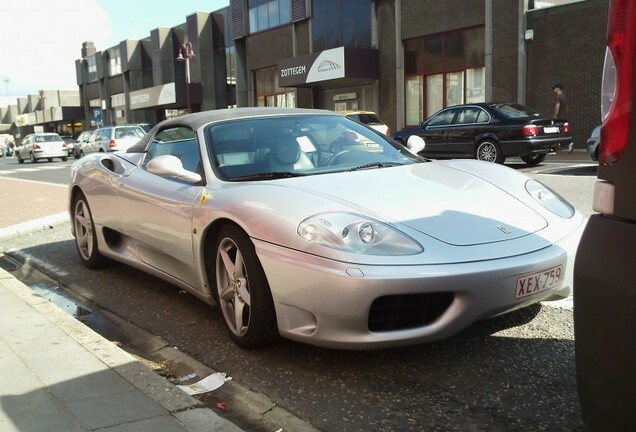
(47, 35)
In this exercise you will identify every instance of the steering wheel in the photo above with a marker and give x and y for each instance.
(333, 160)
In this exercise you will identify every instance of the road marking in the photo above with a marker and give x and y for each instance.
(23, 170)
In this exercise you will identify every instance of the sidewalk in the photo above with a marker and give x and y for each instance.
(27, 205)
(56, 374)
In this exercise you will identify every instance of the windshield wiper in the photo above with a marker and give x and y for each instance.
(268, 176)
(375, 165)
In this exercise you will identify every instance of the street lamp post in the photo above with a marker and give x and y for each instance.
(185, 54)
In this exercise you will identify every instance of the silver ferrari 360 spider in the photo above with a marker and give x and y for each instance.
(307, 225)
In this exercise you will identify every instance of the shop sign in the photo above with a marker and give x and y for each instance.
(328, 65)
(154, 96)
(323, 66)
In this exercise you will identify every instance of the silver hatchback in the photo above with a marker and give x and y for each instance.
(112, 139)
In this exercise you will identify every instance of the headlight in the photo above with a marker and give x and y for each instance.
(358, 234)
(550, 199)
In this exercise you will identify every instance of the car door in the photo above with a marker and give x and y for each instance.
(467, 125)
(435, 133)
(92, 145)
(157, 211)
(25, 145)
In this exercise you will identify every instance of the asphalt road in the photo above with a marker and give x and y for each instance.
(510, 373)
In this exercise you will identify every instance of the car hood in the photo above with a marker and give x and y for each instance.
(450, 205)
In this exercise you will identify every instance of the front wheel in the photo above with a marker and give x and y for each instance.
(242, 291)
(533, 159)
(33, 159)
(85, 238)
(20, 160)
(489, 151)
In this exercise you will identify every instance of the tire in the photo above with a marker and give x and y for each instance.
(64, 159)
(49, 159)
(533, 159)
(32, 157)
(489, 151)
(242, 291)
(20, 160)
(85, 238)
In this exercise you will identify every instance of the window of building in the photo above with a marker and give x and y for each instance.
(443, 70)
(91, 68)
(268, 93)
(225, 51)
(265, 14)
(337, 23)
(114, 65)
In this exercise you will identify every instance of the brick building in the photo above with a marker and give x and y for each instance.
(404, 59)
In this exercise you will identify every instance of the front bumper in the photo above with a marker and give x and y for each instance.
(328, 303)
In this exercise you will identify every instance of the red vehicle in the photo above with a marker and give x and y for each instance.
(605, 269)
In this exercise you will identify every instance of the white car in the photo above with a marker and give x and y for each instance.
(37, 146)
(355, 246)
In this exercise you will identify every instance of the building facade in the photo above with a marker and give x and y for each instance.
(48, 111)
(403, 59)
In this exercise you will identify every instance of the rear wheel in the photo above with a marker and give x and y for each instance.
(533, 159)
(489, 151)
(242, 291)
(64, 159)
(85, 238)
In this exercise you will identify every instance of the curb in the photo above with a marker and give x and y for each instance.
(33, 225)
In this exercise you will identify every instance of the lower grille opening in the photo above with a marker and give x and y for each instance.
(400, 312)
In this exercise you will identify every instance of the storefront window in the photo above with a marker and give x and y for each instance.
(432, 54)
(454, 54)
(414, 100)
(452, 66)
(475, 85)
(454, 88)
(267, 91)
(434, 94)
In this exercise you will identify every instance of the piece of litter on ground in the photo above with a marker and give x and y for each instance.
(187, 377)
(220, 405)
(207, 384)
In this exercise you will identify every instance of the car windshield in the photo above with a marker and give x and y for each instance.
(47, 138)
(129, 132)
(298, 145)
(369, 119)
(515, 110)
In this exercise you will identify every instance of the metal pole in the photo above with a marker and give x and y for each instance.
(488, 47)
(187, 71)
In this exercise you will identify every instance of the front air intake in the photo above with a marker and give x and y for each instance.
(405, 311)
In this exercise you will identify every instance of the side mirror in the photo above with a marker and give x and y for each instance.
(171, 166)
(415, 144)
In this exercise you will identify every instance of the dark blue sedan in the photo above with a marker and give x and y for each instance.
(490, 132)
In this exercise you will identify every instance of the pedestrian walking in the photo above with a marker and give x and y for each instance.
(561, 104)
